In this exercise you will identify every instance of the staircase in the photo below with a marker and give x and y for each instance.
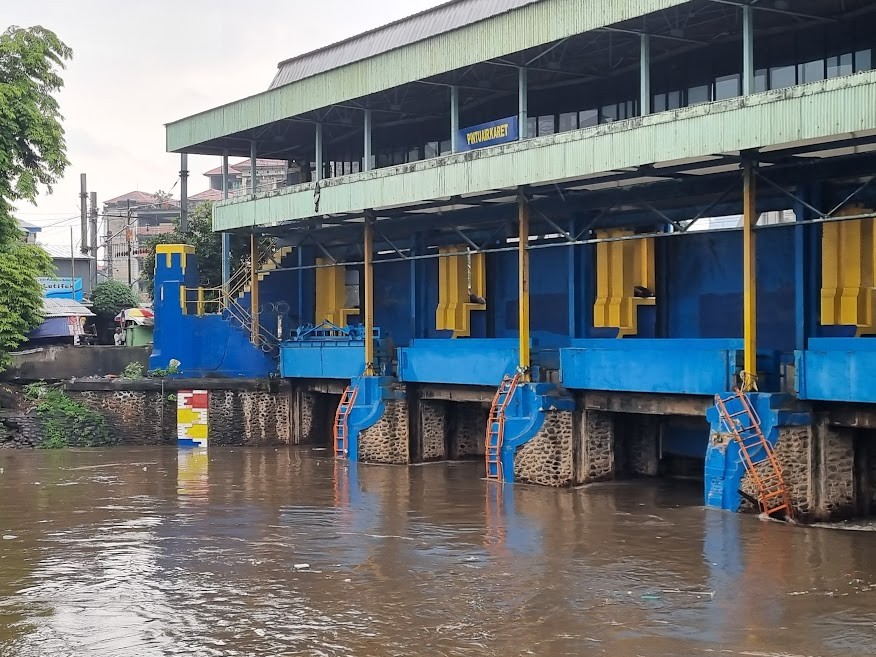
(341, 430)
(739, 418)
(496, 426)
(237, 300)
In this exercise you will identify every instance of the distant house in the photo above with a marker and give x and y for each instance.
(72, 279)
(131, 219)
(30, 231)
(270, 174)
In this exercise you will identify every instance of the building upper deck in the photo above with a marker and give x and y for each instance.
(379, 121)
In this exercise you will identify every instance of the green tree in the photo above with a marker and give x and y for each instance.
(208, 247)
(32, 153)
(110, 298)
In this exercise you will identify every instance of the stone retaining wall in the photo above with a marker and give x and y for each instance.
(467, 432)
(433, 429)
(134, 417)
(387, 441)
(596, 454)
(548, 459)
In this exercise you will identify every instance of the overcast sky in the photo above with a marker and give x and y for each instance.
(140, 64)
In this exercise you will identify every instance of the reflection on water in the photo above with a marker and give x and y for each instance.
(290, 552)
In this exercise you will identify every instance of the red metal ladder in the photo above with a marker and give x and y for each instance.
(496, 425)
(348, 400)
(742, 422)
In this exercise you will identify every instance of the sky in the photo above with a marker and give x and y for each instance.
(139, 64)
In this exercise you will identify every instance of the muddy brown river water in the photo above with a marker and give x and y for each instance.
(139, 552)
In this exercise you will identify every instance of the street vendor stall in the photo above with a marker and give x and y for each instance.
(137, 324)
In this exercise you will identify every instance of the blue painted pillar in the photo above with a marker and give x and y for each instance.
(572, 255)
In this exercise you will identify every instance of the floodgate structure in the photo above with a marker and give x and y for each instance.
(579, 239)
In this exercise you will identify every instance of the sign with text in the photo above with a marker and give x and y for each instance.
(502, 131)
(61, 288)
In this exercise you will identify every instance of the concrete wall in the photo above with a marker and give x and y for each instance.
(60, 363)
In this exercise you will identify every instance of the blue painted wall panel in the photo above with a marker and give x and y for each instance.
(322, 360)
(695, 367)
(838, 369)
(464, 362)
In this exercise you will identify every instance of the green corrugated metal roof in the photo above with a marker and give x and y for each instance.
(813, 112)
(527, 27)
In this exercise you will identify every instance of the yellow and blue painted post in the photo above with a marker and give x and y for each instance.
(749, 300)
(254, 289)
(523, 282)
(369, 296)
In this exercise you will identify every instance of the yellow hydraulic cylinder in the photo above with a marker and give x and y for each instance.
(523, 281)
(749, 289)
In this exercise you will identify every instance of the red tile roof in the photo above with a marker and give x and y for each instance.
(134, 197)
(243, 167)
(207, 195)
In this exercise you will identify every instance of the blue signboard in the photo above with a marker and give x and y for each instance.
(502, 131)
(62, 288)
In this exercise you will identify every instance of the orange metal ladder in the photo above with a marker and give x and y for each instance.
(348, 400)
(496, 425)
(742, 422)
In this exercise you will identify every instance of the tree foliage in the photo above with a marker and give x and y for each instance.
(208, 247)
(32, 153)
(109, 298)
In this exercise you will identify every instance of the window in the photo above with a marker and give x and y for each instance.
(783, 76)
(673, 100)
(840, 65)
(568, 121)
(446, 147)
(728, 86)
(608, 114)
(414, 154)
(658, 103)
(699, 94)
(863, 60)
(531, 127)
(431, 149)
(546, 125)
(760, 80)
(810, 71)
(587, 118)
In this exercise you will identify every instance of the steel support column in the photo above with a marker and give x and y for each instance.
(253, 167)
(454, 119)
(254, 288)
(522, 102)
(369, 126)
(320, 166)
(747, 50)
(184, 193)
(226, 236)
(645, 75)
(749, 300)
(523, 285)
(369, 296)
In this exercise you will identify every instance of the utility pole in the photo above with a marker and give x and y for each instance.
(93, 239)
(128, 242)
(83, 211)
(184, 194)
(72, 267)
(108, 248)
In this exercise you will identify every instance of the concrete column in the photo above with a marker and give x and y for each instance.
(747, 50)
(226, 237)
(320, 166)
(454, 119)
(184, 193)
(523, 101)
(369, 127)
(645, 75)
(253, 168)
